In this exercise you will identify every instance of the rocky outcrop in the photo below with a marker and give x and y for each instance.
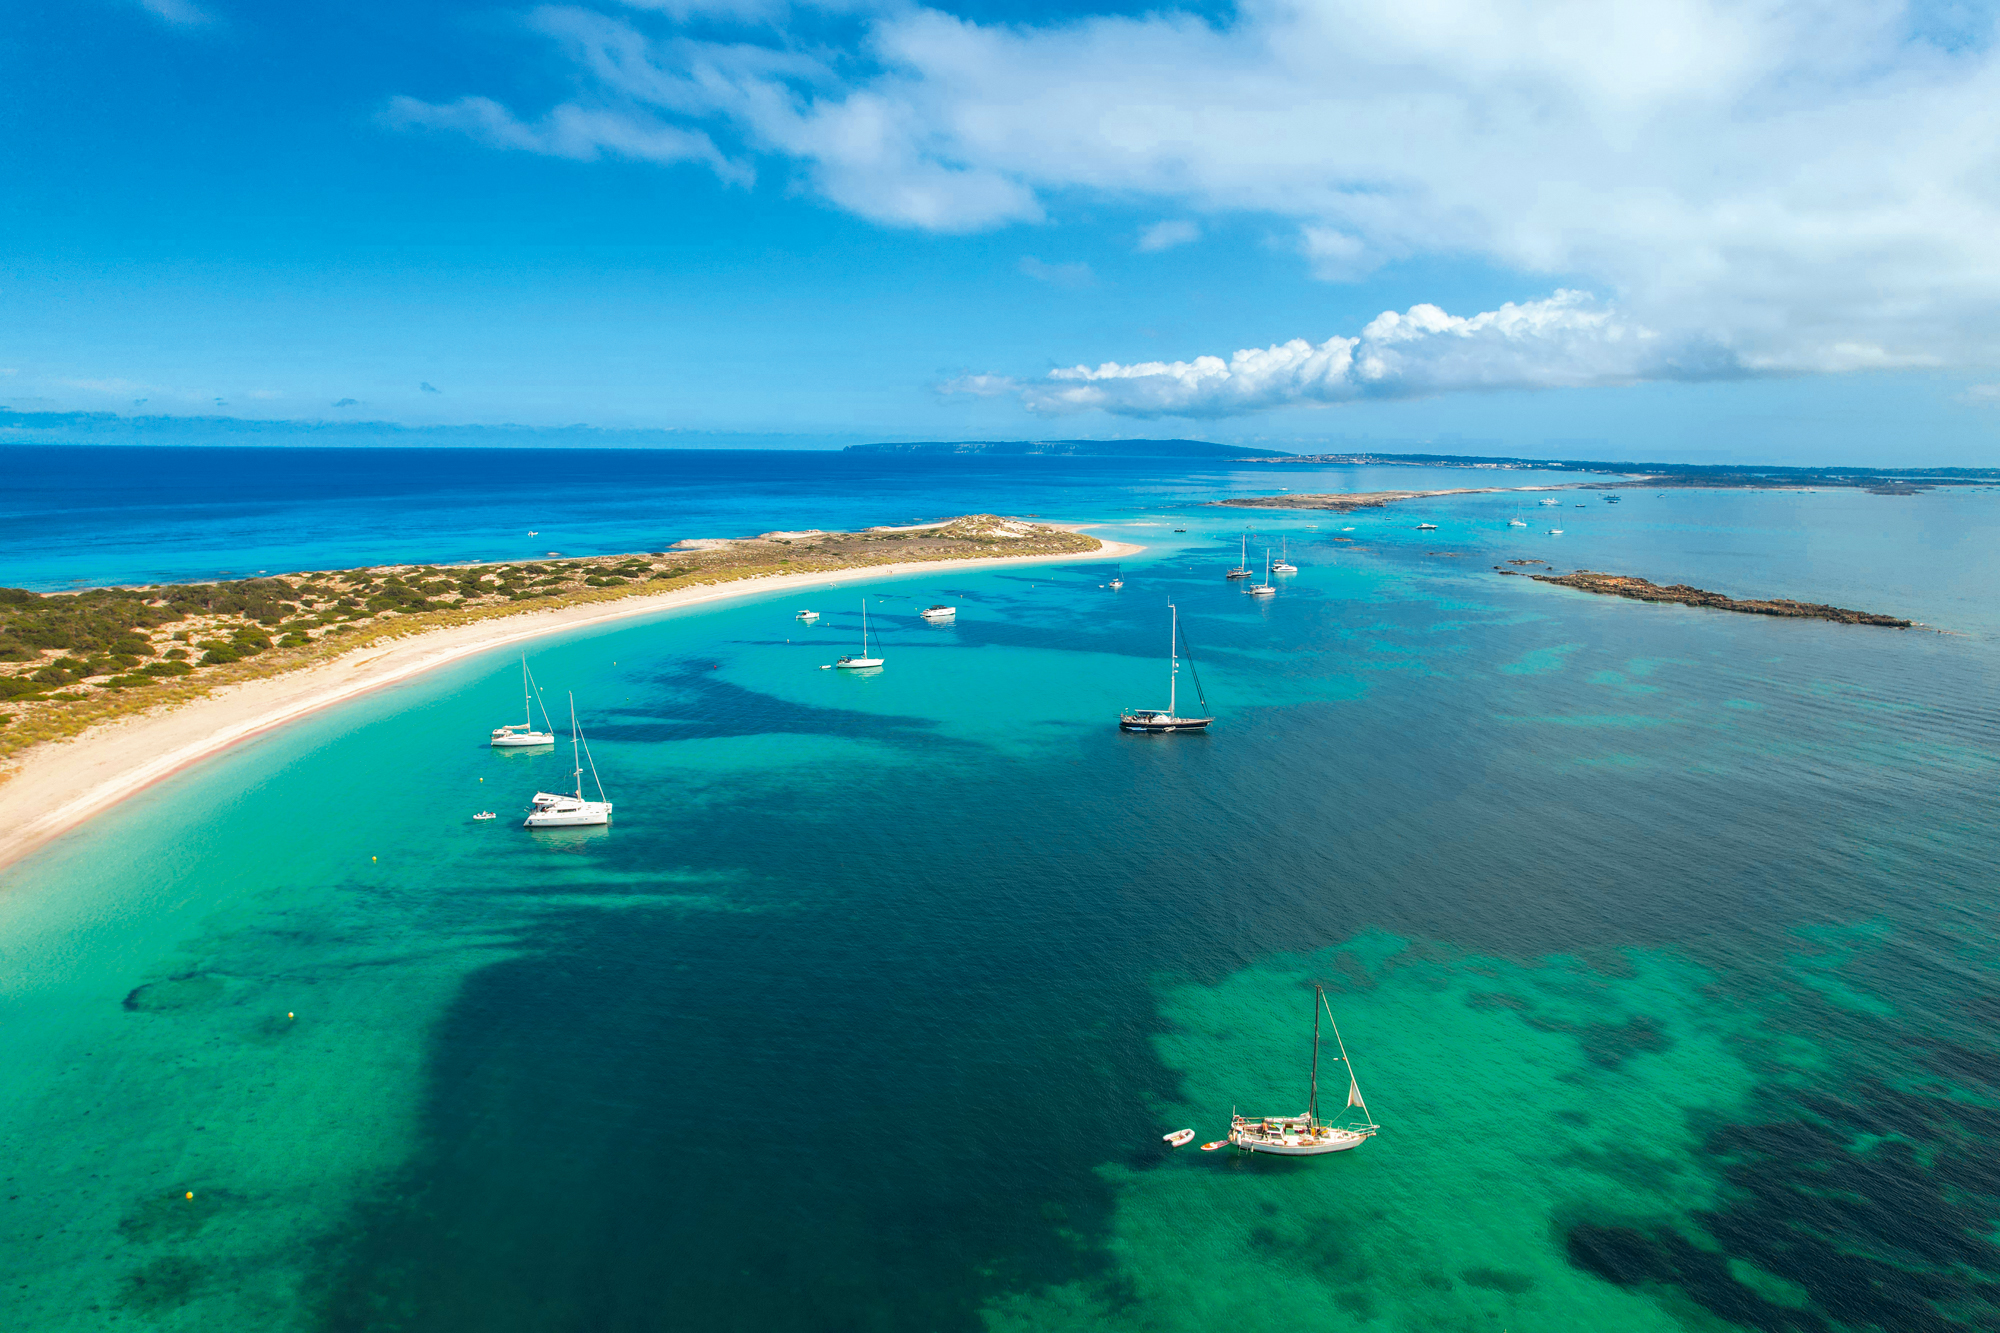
(1639, 590)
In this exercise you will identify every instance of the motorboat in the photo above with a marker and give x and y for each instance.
(935, 613)
(1427, 527)
(521, 735)
(1307, 1135)
(565, 809)
(807, 616)
(1557, 503)
(484, 815)
(864, 662)
(1555, 532)
(1155, 720)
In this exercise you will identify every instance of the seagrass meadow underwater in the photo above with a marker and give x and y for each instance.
(1662, 941)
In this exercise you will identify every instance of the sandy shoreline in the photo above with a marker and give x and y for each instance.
(60, 785)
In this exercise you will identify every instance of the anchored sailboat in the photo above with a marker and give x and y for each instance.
(1307, 1135)
(1285, 565)
(1266, 588)
(852, 663)
(562, 810)
(516, 735)
(1153, 719)
(1242, 570)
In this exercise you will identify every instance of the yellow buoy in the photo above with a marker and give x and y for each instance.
(291, 1015)
(374, 858)
(190, 1194)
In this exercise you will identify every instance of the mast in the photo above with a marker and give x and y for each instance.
(1174, 659)
(864, 626)
(579, 761)
(1312, 1099)
(527, 698)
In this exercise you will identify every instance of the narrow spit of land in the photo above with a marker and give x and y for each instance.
(1344, 502)
(106, 691)
(1640, 590)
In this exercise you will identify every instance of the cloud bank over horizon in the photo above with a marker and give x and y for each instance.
(1812, 186)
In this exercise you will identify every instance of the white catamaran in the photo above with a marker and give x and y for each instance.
(1153, 719)
(863, 662)
(1285, 565)
(516, 735)
(1307, 1135)
(561, 809)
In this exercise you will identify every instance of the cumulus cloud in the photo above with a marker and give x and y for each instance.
(1569, 340)
(1810, 181)
(1167, 235)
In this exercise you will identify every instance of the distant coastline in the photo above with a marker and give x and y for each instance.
(61, 776)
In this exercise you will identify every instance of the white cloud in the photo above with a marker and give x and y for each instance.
(1167, 235)
(1569, 340)
(981, 386)
(567, 131)
(1811, 182)
(1060, 275)
(177, 11)
(1983, 395)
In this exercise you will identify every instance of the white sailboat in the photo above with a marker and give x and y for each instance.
(562, 809)
(1242, 570)
(863, 662)
(1266, 588)
(1156, 720)
(1285, 565)
(1307, 1135)
(519, 735)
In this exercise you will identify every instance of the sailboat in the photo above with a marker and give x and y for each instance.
(1307, 1135)
(518, 735)
(1266, 588)
(863, 662)
(1242, 570)
(561, 809)
(1284, 565)
(1153, 719)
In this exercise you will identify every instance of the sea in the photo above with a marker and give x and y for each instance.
(1661, 941)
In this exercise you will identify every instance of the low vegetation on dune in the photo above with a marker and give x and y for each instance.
(70, 660)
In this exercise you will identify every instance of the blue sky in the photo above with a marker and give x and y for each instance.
(1694, 230)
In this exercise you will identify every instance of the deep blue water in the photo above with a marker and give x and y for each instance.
(1662, 941)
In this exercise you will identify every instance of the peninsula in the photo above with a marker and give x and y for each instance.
(1622, 585)
(105, 691)
(1344, 502)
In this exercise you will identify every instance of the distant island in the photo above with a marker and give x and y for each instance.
(1070, 449)
(1640, 590)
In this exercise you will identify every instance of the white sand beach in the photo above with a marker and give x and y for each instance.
(58, 786)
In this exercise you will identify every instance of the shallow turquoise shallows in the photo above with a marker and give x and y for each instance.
(1662, 940)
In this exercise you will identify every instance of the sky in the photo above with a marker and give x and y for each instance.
(1657, 229)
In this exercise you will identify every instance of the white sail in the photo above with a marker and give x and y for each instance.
(1353, 1091)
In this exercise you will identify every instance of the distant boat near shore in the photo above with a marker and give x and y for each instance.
(521, 735)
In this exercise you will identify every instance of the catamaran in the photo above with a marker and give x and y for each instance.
(1307, 1135)
(1155, 720)
(863, 662)
(1242, 570)
(561, 809)
(1285, 565)
(516, 735)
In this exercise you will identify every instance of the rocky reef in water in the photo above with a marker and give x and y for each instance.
(1640, 590)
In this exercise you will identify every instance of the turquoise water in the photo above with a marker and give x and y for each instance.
(1662, 941)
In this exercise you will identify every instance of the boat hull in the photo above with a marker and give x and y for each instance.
(1305, 1148)
(522, 740)
(858, 663)
(1132, 722)
(566, 812)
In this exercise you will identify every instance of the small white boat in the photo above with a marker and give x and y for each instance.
(1284, 565)
(1307, 1135)
(520, 735)
(935, 613)
(807, 616)
(1427, 527)
(566, 810)
(485, 814)
(1180, 1138)
(1557, 503)
(1517, 522)
(1555, 532)
(533, 533)
(863, 662)
(1116, 583)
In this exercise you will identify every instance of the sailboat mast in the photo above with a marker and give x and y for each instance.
(579, 761)
(1312, 1098)
(1173, 661)
(527, 698)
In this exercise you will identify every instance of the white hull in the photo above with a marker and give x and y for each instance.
(566, 812)
(1304, 1148)
(1294, 1136)
(939, 613)
(516, 740)
(858, 663)
(1284, 569)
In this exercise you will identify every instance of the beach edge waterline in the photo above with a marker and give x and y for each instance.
(72, 780)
